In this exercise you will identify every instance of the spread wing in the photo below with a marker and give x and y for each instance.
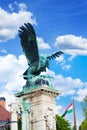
(54, 55)
(28, 42)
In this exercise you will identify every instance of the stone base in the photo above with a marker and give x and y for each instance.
(42, 102)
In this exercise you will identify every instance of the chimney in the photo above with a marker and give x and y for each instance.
(2, 101)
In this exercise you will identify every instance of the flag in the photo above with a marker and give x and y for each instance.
(68, 110)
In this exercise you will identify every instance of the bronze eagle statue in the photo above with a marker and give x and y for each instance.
(36, 62)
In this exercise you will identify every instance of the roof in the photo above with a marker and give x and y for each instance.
(4, 114)
(2, 98)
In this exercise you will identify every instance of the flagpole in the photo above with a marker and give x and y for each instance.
(74, 113)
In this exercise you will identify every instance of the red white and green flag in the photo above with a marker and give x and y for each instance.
(68, 110)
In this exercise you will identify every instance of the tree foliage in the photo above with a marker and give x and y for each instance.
(83, 126)
(62, 124)
(84, 107)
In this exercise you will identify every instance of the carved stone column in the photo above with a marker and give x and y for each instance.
(14, 122)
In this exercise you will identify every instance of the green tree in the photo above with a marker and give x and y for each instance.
(8, 128)
(80, 127)
(84, 106)
(62, 124)
(83, 125)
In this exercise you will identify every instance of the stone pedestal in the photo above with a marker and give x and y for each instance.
(42, 100)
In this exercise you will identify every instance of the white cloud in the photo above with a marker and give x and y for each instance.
(81, 93)
(42, 44)
(71, 58)
(66, 67)
(60, 59)
(3, 51)
(11, 7)
(59, 110)
(22, 6)
(63, 62)
(10, 70)
(66, 85)
(10, 22)
(71, 44)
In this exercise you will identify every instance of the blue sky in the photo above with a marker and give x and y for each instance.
(59, 25)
